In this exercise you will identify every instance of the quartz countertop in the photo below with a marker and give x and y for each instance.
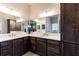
(11, 36)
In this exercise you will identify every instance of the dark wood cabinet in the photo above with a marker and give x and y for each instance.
(14, 47)
(25, 45)
(77, 23)
(53, 48)
(76, 49)
(44, 47)
(70, 28)
(41, 47)
(18, 47)
(6, 48)
(68, 21)
(33, 44)
(69, 49)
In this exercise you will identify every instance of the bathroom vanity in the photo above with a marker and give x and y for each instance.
(21, 43)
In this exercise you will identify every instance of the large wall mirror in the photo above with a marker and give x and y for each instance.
(50, 24)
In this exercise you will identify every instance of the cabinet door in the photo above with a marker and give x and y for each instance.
(41, 47)
(21, 46)
(52, 48)
(77, 49)
(17, 47)
(69, 49)
(68, 21)
(25, 47)
(6, 48)
(33, 44)
(77, 24)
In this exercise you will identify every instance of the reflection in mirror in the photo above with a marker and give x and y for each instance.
(41, 23)
(38, 26)
(52, 24)
(24, 26)
(43, 26)
(32, 25)
(48, 24)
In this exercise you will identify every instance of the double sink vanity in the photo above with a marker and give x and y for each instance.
(43, 38)
(19, 43)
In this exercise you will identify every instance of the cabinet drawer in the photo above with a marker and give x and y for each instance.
(54, 48)
(5, 43)
(52, 54)
(5, 48)
(41, 40)
(18, 41)
(4, 52)
(32, 37)
(25, 38)
(53, 42)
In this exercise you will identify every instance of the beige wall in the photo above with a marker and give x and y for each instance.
(30, 11)
(6, 16)
(19, 7)
(37, 9)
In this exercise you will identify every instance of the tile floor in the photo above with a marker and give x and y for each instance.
(30, 54)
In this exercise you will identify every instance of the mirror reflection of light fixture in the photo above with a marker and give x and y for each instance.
(29, 26)
(19, 20)
(37, 20)
(45, 14)
(9, 11)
